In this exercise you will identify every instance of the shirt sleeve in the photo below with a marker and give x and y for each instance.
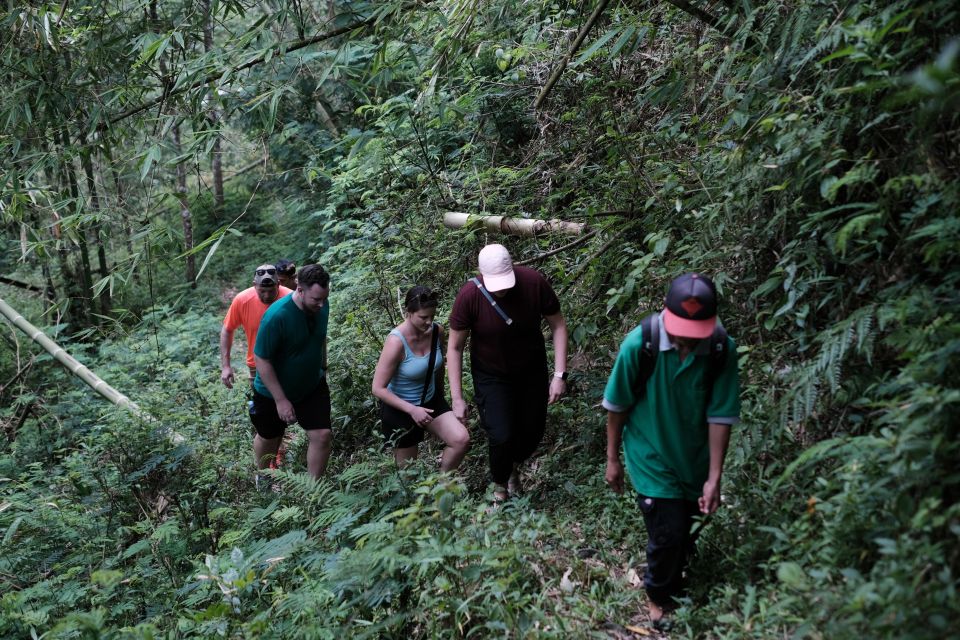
(620, 393)
(461, 319)
(724, 405)
(549, 303)
(233, 319)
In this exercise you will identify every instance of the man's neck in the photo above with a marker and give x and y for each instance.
(298, 300)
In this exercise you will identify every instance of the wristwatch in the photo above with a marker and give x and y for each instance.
(561, 374)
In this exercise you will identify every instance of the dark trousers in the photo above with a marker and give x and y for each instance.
(513, 413)
(670, 544)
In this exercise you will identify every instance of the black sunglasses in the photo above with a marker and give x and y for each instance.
(289, 271)
(262, 272)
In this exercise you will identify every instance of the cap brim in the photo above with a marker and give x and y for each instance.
(499, 282)
(685, 328)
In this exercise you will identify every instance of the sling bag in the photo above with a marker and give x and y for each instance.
(430, 362)
(493, 303)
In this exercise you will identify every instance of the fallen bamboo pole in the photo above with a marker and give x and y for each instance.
(74, 366)
(513, 226)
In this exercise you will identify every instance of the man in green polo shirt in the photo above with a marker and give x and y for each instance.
(674, 426)
(291, 385)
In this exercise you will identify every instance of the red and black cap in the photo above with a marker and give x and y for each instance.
(691, 307)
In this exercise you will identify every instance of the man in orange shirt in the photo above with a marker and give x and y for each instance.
(246, 310)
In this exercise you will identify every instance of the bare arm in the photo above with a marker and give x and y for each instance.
(614, 475)
(719, 437)
(455, 345)
(269, 378)
(558, 329)
(226, 371)
(390, 358)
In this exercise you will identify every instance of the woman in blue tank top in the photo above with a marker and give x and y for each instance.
(410, 403)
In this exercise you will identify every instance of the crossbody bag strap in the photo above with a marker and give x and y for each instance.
(430, 362)
(493, 303)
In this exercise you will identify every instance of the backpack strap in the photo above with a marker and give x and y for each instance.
(493, 303)
(717, 357)
(650, 334)
(435, 337)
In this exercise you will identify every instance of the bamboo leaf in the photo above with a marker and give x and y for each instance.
(592, 49)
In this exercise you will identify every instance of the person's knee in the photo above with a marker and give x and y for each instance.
(460, 440)
(268, 442)
(320, 437)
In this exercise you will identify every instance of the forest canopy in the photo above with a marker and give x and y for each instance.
(804, 155)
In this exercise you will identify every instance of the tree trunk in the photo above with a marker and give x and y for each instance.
(213, 116)
(121, 201)
(94, 194)
(185, 214)
(86, 275)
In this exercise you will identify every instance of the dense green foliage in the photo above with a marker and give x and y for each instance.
(804, 154)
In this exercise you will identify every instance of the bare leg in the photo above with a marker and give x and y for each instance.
(454, 435)
(264, 450)
(514, 486)
(656, 612)
(318, 451)
(404, 455)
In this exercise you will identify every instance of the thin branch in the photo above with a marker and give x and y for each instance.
(544, 256)
(586, 263)
(22, 285)
(584, 30)
(696, 12)
(22, 370)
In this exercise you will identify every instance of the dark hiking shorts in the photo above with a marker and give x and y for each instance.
(398, 427)
(313, 412)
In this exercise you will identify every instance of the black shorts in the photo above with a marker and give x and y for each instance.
(313, 412)
(399, 428)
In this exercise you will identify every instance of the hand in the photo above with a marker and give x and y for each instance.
(285, 411)
(614, 475)
(558, 387)
(421, 416)
(226, 376)
(710, 499)
(460, 410)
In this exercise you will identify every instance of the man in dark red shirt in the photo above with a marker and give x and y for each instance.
(501, 311)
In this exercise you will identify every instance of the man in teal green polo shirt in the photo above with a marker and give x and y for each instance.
(291, 383)
(674, 422)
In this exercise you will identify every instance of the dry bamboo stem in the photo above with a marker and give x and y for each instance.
(74, 367)
(584, 30)
(513, 226)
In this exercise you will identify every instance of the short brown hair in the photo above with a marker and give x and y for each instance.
(313, 274)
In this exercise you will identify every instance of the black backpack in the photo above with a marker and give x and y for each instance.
(650, 328)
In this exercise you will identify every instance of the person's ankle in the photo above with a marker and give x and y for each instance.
(656, 611)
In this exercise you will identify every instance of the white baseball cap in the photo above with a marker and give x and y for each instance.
(496, 267)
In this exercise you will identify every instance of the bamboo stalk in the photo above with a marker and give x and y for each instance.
(68, 361)
(558, 71)
(74, 366)
(513, 226)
